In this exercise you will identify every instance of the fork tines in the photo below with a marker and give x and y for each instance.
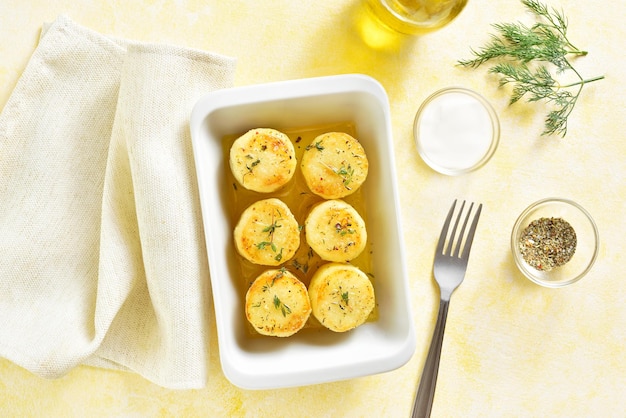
(451, 237)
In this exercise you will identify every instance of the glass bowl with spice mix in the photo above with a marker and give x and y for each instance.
(554, 242)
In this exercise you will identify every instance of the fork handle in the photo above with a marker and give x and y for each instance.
(426, 391)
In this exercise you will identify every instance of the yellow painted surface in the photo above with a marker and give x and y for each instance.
(512, 348)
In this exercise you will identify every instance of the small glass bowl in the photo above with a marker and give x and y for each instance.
(456, 131)
(586, 246)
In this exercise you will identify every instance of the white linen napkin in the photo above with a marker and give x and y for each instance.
(102, 257)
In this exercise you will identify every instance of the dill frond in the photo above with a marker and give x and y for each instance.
(523, 55)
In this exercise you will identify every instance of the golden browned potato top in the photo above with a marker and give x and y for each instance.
(267, 233)
(263, 160)
(277, 303)
(334, 165)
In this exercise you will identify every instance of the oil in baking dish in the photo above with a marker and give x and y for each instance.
(300, 200)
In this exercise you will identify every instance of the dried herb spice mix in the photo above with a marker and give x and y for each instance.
(547, 243)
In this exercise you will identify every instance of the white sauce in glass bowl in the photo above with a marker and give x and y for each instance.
(456, 131)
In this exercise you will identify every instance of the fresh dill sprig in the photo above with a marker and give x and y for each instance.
(523, 54)
(278, 304)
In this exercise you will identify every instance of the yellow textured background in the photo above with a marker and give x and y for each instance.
(512, 348)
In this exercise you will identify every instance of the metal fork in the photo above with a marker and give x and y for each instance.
(449, 270)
